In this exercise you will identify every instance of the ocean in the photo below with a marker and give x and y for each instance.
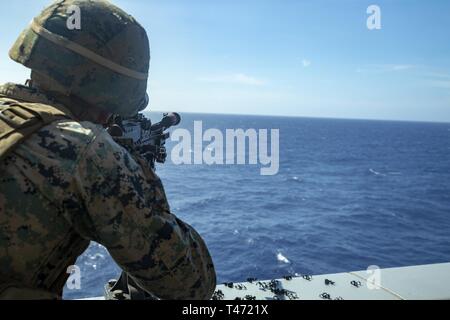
(349, 194)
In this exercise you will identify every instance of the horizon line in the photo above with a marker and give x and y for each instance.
(304, 117)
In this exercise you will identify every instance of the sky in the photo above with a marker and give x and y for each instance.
(312, 58)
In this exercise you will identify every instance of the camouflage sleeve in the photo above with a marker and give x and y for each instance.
(128, 213)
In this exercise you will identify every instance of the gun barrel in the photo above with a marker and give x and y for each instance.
(169, 120)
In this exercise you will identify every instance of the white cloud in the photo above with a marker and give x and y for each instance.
(382, 68)
(437, 75)
(440, 84)
(436, 79)
(400, 67)
(306, 63)
(236, 78)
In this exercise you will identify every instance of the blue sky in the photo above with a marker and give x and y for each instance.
(295, 58)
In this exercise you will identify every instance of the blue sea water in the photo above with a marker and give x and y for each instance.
(349, 194)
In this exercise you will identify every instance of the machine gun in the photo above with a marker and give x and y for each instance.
(138, 134)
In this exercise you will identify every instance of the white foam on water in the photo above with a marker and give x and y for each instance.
(376, 172)
(282, 258)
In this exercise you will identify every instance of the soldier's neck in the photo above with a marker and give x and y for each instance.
(81, 110)
(32, 93)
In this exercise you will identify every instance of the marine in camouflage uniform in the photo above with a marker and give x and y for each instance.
(70, 183)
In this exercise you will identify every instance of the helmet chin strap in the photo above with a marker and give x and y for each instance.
(80, 108)
(44, 83)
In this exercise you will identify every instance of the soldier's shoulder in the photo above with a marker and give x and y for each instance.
(70, 130)
(64, 141)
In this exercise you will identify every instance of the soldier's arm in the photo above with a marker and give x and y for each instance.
(128, 213)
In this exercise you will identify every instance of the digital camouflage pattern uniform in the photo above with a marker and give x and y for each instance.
(70, 183)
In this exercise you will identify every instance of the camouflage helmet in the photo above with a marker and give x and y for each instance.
(104, 63)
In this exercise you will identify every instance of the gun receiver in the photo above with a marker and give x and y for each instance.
(138, 134)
